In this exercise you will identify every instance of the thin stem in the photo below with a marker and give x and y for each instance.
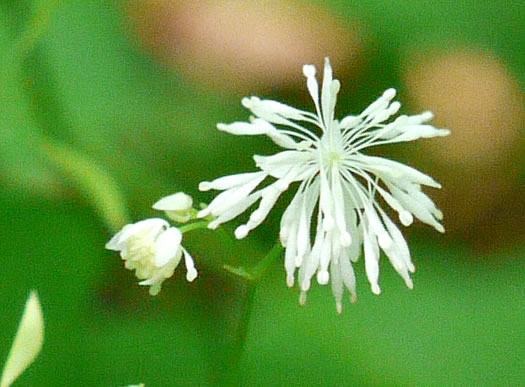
(260, 270)
(97, 184)
(239, 341)
(224, 235)
(257, 272)
(236, 350)
(194, 226)
(36, 28)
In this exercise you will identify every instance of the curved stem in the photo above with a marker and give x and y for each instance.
(260, 270)
(97, 184)
(257, 272)
(253, 275)
(36, 28)
(194, 226)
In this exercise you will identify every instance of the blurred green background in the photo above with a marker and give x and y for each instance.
(107, 106)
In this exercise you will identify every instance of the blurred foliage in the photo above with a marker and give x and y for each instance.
(79, 82)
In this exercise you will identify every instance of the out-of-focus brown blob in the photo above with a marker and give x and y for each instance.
(244, 45)
(475, 96)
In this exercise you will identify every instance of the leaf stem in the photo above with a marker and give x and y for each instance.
(257, 272)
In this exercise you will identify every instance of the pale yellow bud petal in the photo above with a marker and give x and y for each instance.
(28, 341)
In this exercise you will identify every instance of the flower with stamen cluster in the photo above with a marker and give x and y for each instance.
(153, 249)
(336, 180)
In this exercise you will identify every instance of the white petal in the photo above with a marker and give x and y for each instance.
(372, 261)
(148, 282)
(414, 132)
(391, 130)
(152, 225)
(285, 141)
(241, 231)
(404, 216)
(279, 164)
(303, 235)
(290, 254)
(327, 95)
(349, 122)
(337, 285)
(303, 232)
(339, 209)
(176, 202)
(376, 226)
(326, 257)
(167, 246)
(379, 104)
(273, 111)
(309, 70)
(114, 242)
(281, 109)
(425, 201)
(190, 266)
(235, 210)
(179, 217)
(290, 216)
(398, 253)
(270, 195)
(394, 169)
(323, 277)
(311, 262)
(246, 128)
(230, 181)
(416, 207)
(354, 250)
(325, 202)
(399, 243)
(311, 84)
(418, 119)
(347, 272)
(230, 197)
(302, 298)
(381, 115)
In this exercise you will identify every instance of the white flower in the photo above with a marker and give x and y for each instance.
(178, 207)
(336, 181)
(153, 250)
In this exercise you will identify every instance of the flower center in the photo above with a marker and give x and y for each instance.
(334, 158)
(140, 247)
(331, 151)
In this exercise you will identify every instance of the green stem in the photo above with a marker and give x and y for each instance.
(227, 238)
(254, 276)
(35, 29)
(92, 179)
(237, 330)
(260, 270)
(238, 316)
(257, 272)
(194, 226)
(244, 324)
